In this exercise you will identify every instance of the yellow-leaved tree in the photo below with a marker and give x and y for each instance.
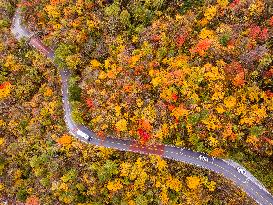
(193, 182)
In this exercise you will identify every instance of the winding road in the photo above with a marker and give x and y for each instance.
(228, 168)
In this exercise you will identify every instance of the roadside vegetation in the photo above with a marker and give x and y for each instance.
(196, 74)
(191, 73)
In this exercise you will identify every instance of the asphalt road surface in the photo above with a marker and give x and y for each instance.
(228, 168)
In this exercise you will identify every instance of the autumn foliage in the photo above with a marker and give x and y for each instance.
(65, 140)
(200, 78)
(5, 89)
(195, 74)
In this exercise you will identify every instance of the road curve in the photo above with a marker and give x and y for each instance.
(228, 168)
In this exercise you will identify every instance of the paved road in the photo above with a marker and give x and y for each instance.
(228, 168)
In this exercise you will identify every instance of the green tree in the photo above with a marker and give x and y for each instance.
(109, 169)
(113, 9)
(125, 17)
(61, 54)
(74, 89)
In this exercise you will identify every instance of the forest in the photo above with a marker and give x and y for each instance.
(192, 73)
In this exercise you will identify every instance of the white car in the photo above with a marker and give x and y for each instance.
(203, 158)
(241, 170)
(82, 134)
